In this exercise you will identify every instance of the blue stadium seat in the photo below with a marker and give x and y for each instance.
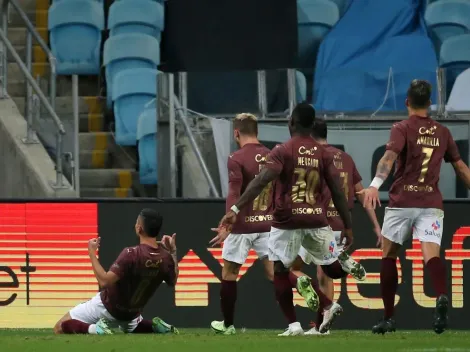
(126, 51)
(132, 90)
(446, 19)
(455, 58)
(75, 34)
(342, 6)
(315, 18)
(147, 146)
(136, 16)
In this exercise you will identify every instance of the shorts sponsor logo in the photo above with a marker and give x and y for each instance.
(331, 247)
(435, 230)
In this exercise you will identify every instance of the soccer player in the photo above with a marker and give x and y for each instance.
(351, 184)
(418, 145)
(302, 169)
(128, 285)
(251, 230)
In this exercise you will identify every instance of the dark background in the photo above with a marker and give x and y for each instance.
(225, 35)
(256, 306)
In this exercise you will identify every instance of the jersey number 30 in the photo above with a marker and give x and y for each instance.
(303, 191)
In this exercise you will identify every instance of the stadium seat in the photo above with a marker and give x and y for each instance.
(315, 18)
(136, 16)
(446, 19)
(133, 89)
(127, 51)
(75, 34)
(147, 146)
(455, 58)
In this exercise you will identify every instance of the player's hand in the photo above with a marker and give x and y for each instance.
(228, 220)
(371, 197)
(169, 242)
(347, 238)
(94, 244)
(222, 234)
(378, 233)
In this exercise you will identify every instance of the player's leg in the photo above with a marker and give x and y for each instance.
(234, 253)
(326, 286)
(283, 248)
(306, 287)
(260, 245)
(396, 229)
(428, 229)
(320, 243)
(86, 318)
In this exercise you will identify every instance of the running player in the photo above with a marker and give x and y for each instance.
(253, 224)
(128, 285)
(351, 184)
(418, 145)
(302, 168)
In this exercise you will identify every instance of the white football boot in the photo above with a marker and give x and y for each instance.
(329, 317)
(352, 267)
(314, 331)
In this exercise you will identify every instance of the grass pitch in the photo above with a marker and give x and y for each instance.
(252, 340)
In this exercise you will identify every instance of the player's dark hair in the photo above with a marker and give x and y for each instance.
(246, 124)
(151, 222)
(303, 117)
(319, 130)
(419, 94)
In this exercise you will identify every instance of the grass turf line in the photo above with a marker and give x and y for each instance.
(194, 340)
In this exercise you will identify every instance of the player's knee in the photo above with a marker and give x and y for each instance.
(230, 271)
(58, 328)
(279, 268)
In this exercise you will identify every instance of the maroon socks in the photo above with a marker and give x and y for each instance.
(228, 297)
(437, 271)
(334, 270)
(144, 327)
(285, 296)
(388, 285)
(73, 326)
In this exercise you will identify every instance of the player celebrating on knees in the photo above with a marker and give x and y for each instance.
(351, 183)
(251, 229)
(128, 285)
(302, 168)
(418, 145)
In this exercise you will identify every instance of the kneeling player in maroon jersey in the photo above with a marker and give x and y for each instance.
(128, 285)
(418, 145)
(351, 183)
(301, 168)
(251, 231)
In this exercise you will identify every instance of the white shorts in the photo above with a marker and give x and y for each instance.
(320, 244)
(308, 259)
(237, 246)
(93, 310)
(425, 224)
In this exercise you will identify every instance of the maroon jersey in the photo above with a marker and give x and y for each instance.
(349, 177)
(243, 166)
(141, 270)
(303, 165)
(421, 144)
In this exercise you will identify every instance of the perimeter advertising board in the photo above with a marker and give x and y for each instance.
(44, 267)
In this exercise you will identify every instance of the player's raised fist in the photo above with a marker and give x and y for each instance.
(94, 244)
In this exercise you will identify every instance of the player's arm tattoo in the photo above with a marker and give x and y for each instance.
(255, 187)
(339, 198)
(175, 260)
(385, 164)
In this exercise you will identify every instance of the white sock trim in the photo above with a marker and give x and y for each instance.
(92, 329)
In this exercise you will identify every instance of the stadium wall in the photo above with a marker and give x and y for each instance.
(45, 270)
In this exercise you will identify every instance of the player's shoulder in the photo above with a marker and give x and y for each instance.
(236, 156)
(401, 125)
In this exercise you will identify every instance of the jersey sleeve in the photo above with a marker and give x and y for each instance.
(452, 152)
(397, 139)
(276, 158)
(170, 274)
(122, 264)
(235, 181)
(356, 176)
